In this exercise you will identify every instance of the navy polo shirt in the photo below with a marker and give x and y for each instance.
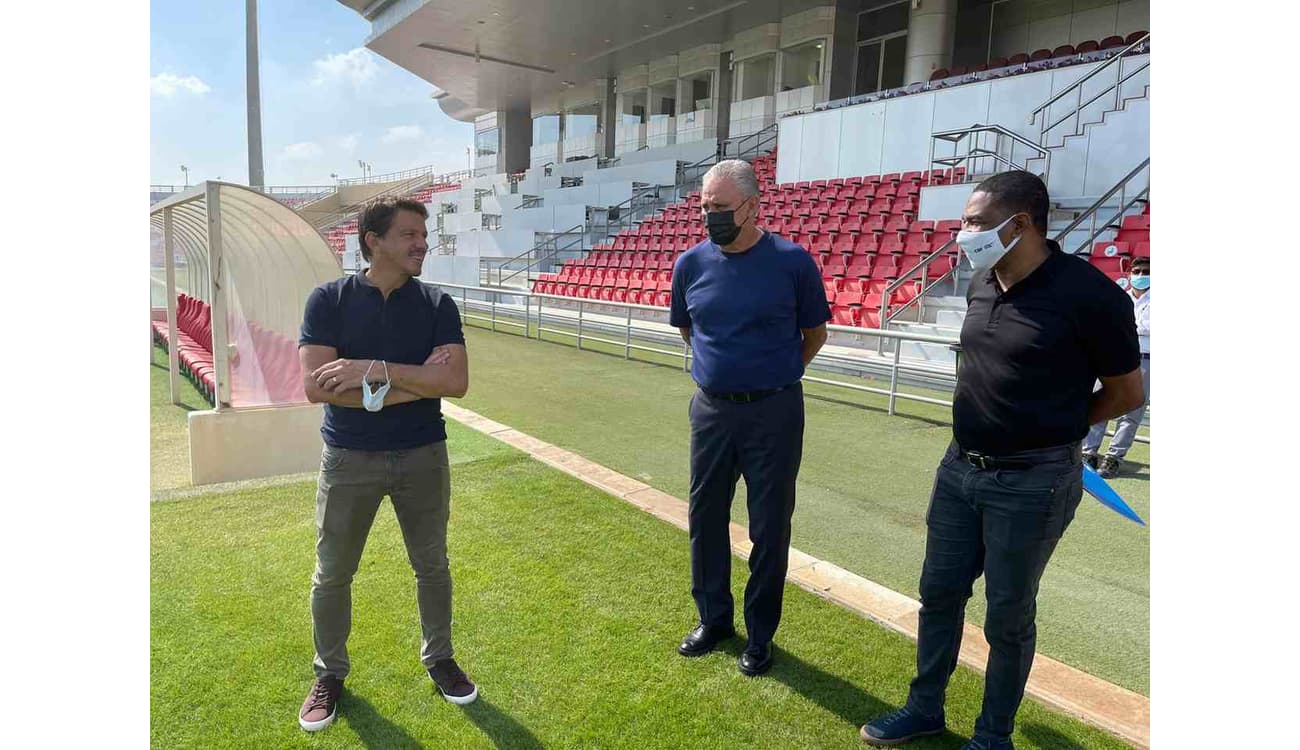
(745, 311)
(351, 315)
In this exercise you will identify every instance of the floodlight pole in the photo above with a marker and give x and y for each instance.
(255, 175)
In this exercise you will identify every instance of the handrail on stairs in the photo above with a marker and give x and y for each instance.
(1077, 88)
(923, 266)
(540, 250)
(1093, 211)
(975, 151)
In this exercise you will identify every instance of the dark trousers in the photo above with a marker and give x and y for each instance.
(1004, 523)
(763, 442)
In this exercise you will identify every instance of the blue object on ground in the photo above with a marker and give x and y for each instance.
(1099, 488)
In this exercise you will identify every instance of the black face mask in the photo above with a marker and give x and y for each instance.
(722, 227)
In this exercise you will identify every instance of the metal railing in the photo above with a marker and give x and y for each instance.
(1113, 222)
(503, 315)
(744, 147)
(408, 174)
(1002, 153)
(887, 315)
(646, 201)
(1077, 89)
(547, 249)
(349, 212)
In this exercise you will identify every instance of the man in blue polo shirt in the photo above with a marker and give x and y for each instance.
(380, 349)
(753, 308)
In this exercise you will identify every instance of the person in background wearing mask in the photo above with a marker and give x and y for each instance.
(752, 307)
(380, 349)
(1041, 328)
(1126, 426)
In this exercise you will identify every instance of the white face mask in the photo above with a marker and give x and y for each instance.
(374, 400)
(985, 249)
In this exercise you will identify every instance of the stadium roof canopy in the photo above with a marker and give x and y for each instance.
(492, 55)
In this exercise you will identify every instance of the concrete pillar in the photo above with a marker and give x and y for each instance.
(608, 118)
(929, 38)
(516, 139)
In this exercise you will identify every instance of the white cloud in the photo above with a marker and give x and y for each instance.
(349, 142)
(304, 150)
(402, 133)
(167, 84)
(356, 67)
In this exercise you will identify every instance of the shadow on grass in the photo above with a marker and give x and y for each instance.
(833, 693)
(501, 728)
(1047, 738)
(870, 407)
(373, 728)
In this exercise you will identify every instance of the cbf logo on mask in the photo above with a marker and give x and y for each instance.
(984, 249)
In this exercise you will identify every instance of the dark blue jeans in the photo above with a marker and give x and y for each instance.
(1005, 524)
(762, 441)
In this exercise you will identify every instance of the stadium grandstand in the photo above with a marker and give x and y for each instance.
(867, 123)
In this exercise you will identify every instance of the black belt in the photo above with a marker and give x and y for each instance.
(1021, 460)
(746, 397)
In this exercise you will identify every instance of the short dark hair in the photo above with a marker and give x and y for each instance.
(1144, 261)
(1017, 192)
(377, 216)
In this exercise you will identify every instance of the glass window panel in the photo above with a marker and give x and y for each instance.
(487, 142)
(881, 22)
(802, 66)
(546, 129)
(868, 71)
(582, 122)
(758, 77)
(663, 101)
(699, 92)
(895, 60)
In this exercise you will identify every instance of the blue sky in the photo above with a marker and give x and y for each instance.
(326, 100)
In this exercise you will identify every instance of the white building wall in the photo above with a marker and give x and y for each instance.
(895, 135)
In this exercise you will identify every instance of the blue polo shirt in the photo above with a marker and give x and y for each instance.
(351, 315)
(745, 311)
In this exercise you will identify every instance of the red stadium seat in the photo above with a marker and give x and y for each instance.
(1112, 42)
(1018, 59)
(939, 74)
(1110, 249)
(1065, 50)
(1086, 47)
(1134, 37)
(1039, 55)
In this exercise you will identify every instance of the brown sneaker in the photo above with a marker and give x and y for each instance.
(322, 704)
(453, 683)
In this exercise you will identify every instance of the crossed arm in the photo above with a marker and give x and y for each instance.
(328, 379)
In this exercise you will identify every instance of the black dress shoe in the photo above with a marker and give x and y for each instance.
(704, 639)
(756, 660)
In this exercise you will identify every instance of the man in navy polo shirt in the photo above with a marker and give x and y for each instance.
(380, 349)
(753, 308)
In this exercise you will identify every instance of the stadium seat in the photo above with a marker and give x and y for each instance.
(1065, 50)
(1039, 55)
(1134, 37)
(1112, 42)
(939, 74)
(1018, 59)
(1084, 48)
(1110, 249)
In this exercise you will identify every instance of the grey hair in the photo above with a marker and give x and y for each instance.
(738, 171)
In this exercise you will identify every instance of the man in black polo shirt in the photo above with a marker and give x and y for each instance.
(1041, 328)
(380, 349)
(753, 308)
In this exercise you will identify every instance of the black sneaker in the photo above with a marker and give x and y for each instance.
(1091, 459)
(899, 727)
(1109, 467)
(322, 704)
(453, 683)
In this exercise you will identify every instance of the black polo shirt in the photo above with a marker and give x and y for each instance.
(1031, 355)
(351, 315)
